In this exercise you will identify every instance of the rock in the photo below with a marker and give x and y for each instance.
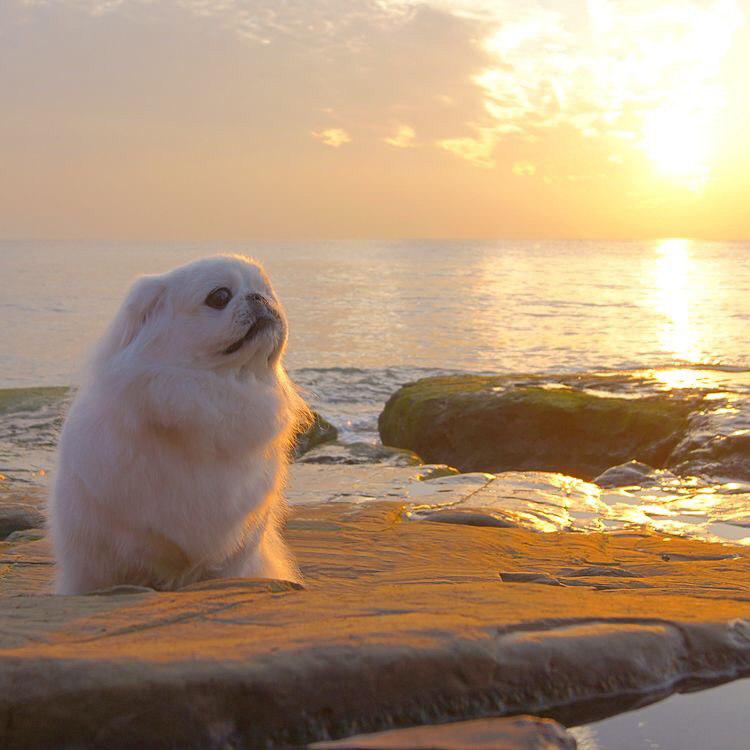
(360, 453)
(532, 576)
(436, 471)
(516, 733)
(717, 443)
(480, 423)
(399, 624)
(17, 517)
(25, 535)
(319, 432)
(632, 474)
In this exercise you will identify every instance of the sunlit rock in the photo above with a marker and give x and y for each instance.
(401, 621)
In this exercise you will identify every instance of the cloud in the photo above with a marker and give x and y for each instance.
(523, 169)
(334, 137)
(93, 7)
(624, 62)
(500, 70)
(476, 150)
(403, 138)
(261, 21)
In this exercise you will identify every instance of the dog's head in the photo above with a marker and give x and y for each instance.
(219, 312)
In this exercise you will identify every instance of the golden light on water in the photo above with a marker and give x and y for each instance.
(677, 378)
(673, 298)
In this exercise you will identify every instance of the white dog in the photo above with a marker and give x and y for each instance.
(173, 457)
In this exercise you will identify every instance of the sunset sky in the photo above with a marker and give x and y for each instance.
(230, 119)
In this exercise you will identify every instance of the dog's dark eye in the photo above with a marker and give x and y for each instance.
(219, 298)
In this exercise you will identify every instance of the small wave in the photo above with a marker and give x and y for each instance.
(30, 399)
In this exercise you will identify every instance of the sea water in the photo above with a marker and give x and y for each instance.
(367, 316)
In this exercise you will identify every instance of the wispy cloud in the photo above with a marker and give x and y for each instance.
(334, 137)
(251, 97)
(608, 75)
(404, 137)
(475, 149)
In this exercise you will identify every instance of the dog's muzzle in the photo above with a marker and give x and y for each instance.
(261, 316)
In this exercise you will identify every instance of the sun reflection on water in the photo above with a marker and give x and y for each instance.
(677, 378)
(673, 298)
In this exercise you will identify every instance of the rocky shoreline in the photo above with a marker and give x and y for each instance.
(431, 596)
(400, 623)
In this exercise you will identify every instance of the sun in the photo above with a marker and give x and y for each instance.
(679, 143)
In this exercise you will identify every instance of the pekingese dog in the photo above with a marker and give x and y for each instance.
(173, 456)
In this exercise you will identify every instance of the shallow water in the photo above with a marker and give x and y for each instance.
(547, 502)
(714, 719)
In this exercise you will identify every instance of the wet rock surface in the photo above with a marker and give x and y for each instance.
(21, 510)
(321, 431)
(360, 453)
(633, 474)
(574, 425)
(402, 622)
(717, 442)
(16, 517)
(549, 502)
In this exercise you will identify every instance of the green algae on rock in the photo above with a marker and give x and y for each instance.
(484, 423)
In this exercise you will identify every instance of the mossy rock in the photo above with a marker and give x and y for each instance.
(481, 423)
(320, 431)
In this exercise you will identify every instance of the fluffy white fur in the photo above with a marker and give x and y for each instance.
(173, 456)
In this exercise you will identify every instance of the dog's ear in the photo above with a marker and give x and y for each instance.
(144, 300)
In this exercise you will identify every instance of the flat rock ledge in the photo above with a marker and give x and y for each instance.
(401, 623)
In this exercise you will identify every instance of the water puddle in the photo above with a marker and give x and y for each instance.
(713, 719)
(543, 501)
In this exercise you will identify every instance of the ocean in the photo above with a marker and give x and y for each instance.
(366, 317)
